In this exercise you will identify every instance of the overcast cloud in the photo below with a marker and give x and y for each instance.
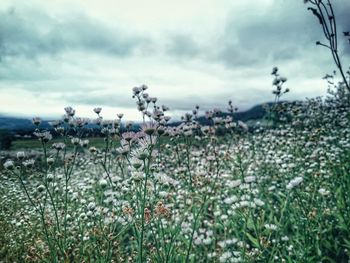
(91, 53)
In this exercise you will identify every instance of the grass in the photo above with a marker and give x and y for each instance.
(35, 144)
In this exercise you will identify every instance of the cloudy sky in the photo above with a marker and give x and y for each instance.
(88, 53)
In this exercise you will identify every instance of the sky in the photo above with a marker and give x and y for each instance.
(91, 53)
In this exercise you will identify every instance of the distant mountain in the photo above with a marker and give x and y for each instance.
(18, 124)
(25, 125)
(255, 113)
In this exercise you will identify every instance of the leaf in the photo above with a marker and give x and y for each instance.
(253, 240)
(347, 243)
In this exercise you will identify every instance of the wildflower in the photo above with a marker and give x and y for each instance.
(139, 153)
(285, 238)
(75, 141)
(270, 226)
(58, 146)
(55, 124)
(161, 210)
(136, 163)
(128, 211)
(66, 118)
(43, 136)
(84, 143)
(323, 192)
(128, 136)
(258, 202)
(243, 125)
(28, 163)
(50, 177)
(294, 182)
(283, 79)
(70, 111)
(146, 142)
(124, 150)
(20, 155)
(149, 128)
(97, 110)
(50, 161)
(41, 188)
(92, 149)
(165, 108)
(9, 165)
(103, 183)
(36, 121)
(60, 130)
(147, 215)
(249, 179)
(136, 91)
(91, 206)
(234, 183)
(274, 71)
(161, 130)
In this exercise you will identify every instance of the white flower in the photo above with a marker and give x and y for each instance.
(36, 121)
(9, 165)
(103, 183)
(294, 182)
(97, 110)
(41, 188)
(28, 163)
(50, 177)
(75, 141)
(243, 125)
(91, 206)
(230, 200)
(323, 192)
(285, 238)
(258, 202)
(270, 226)
(69, 110)
(234, 183)
(20, 155)
(249, 179)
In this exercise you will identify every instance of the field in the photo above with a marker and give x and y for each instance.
(209, 189)
(35, 144)
(223, 192)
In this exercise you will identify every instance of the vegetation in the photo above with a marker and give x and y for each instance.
(214, 191)
(6, 139)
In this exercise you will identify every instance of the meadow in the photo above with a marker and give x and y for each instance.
(277, 192)
(224, 191)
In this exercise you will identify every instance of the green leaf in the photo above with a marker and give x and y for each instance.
(253, 240)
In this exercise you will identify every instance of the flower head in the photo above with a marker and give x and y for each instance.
(9, 165)
(294, 182)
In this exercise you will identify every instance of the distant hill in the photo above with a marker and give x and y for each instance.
(255, 113)
(25, 125)
(18, 124)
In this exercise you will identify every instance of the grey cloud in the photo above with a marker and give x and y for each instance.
(182, 45)
(31, 34)
(278, 37)
(288, 31)
(98, 98)
(342, 18)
